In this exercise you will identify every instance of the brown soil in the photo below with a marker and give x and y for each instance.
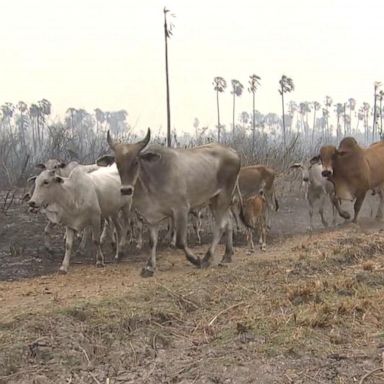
(309, 310)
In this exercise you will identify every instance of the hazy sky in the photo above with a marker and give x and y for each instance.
(110, 54)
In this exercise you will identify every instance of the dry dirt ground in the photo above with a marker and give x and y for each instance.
(308, 310)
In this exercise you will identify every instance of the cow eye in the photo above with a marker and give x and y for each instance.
(45, 182)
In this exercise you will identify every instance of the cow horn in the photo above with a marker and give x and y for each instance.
(110, 141)
(143, 143)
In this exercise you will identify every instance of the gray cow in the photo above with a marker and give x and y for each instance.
(61, 169)
(166, 182)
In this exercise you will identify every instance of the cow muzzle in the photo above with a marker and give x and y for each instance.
(305, 179)
(126, 191)
(326, 173)
(33, 206)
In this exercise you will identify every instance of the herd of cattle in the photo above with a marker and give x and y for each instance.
(145, 184)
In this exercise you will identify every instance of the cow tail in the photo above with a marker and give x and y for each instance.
(276, 201)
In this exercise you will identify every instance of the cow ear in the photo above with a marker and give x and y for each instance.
(150, 156)
(315, 160)
(105, 161)
(40, 166)
(62, 164)
(27, 197)
(59, 179)
(33, 178)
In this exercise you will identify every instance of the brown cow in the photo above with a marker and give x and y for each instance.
(253, 178)
(354, 170)
(253, 215)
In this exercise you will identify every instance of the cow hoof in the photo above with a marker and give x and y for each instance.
(345, 215)
(139, 246)
(100, 264)
(263, 248)
(147, 272)
(172, 245)
(205, 264)
(223, 264)
(62, 271)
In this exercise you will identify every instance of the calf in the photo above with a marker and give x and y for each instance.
(253, 214)
(80, 201)
(317, 188)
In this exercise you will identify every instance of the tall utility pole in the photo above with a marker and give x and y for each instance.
(167, 35)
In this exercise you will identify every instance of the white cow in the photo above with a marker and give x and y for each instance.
(79, 201)
(317, 187)
(61, 169)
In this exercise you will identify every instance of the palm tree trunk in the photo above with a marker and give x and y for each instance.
(282, 105)
(218, 117)
(374, 118)
(313, 128)
(253, 124)
(233, 115)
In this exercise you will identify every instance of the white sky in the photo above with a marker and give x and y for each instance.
(110, 54)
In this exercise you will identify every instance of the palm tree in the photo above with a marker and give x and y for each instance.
(325, 112)
(237, 90)
(34, 112)
(376, 86)
(7, 113)
(351, 106)
(244, 118)
(167, 35)
(286, 85)
(44, 111)
(316, 107)
(292, 109)
(366, 107)
(100, 118)
(22, 107)
(339, 109)
(360, 117)
(219, 85)
(254, 83)
(328, 103)
(380, 110)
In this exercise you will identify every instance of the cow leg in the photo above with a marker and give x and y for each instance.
(47, 230)
(108, 232)
(250, 238)
(87, 231)
(358, 203)
(97, 242)
(218, 208)
(334, 212)
(344, 214)
(310, 211)
(263, 236)
(227, 258)
(379, 214)
(197, 226)
(120, 237)
(321, 210)
(150, 268)
(69, 238)
(181, 223)
(140, 226)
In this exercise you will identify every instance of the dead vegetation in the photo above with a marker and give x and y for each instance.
(315, 315)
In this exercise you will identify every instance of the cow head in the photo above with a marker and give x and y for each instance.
(327, 155)
(304, 171)
(128, 158)
(51, 164)
(46, 189)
